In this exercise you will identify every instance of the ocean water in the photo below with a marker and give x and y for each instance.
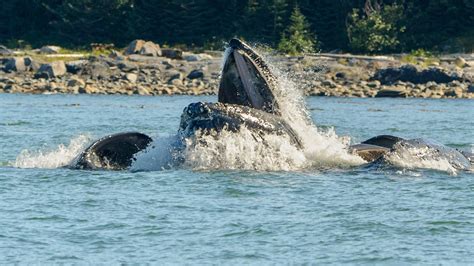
(233, 202)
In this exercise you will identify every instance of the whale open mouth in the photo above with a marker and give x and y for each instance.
(247, 80)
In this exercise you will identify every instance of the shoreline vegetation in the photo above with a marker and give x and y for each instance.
(145, 68)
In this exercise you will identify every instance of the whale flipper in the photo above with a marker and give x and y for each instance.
(113, 152)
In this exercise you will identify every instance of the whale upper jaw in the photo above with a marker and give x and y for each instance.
(247, 80)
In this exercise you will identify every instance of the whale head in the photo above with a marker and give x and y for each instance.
(247, 80)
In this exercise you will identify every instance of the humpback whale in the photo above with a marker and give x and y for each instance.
(246, 98)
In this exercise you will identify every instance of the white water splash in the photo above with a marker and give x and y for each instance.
(244, 150)
(321, 149)
(412, 158)
(58, 157)
(162, 153)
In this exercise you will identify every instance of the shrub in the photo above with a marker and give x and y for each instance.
(377, 31)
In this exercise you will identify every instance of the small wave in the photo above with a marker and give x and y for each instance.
(15, 123)
(58, 157)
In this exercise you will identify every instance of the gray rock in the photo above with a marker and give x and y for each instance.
(174, 75)
(470, 88)
(131, 77)
(134, 47)
(460, 62)
(88, 89)
(172, 53)
(196, 74)
(5, 51)
(75, 81)
(50, 49)
(51, 70)
(454, 92)
(143, 48)
(150, 49)
(75, 67)
(329, 83)
(373, 84)
(197, 57)
(114, 54)
(176, 82)
(392, 93)
(15, 64)
(409, 73)
(97, 70)
(127, 66)
(141, 91)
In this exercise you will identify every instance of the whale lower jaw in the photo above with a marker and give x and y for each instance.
(215, 117)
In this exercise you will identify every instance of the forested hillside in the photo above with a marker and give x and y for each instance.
(365, 26)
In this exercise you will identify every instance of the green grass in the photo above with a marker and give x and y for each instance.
(421, 58)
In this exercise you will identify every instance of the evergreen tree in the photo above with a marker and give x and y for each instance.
(297, 38)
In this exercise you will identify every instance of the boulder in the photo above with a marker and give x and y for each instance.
(141, 91)
(392, 93)
(127, 66)
(131, 77)
(51, 70)
(196, 74)
(50, 49)
(174, 75)
(460, 62)
(16, 64)
(150, 49)
(75, 81)
(454, 92)
(76, 66)
(172, 53)
(5, 51)
(373, 84)
(114, 54)
(88, 89)
(470, 88)
(97, 70)
(143, 48)
(134, 47)
(329, 83)
(196, 57)
(409, 73)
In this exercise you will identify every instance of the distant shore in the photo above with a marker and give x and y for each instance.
(146, 69)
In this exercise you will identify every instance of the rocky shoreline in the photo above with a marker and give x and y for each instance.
(146, 69)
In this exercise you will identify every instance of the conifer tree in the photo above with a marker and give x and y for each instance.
(297, 38)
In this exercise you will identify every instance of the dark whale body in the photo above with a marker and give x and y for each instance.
(113, 152)
(375, 150)
(219, 116)
(247, 98)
